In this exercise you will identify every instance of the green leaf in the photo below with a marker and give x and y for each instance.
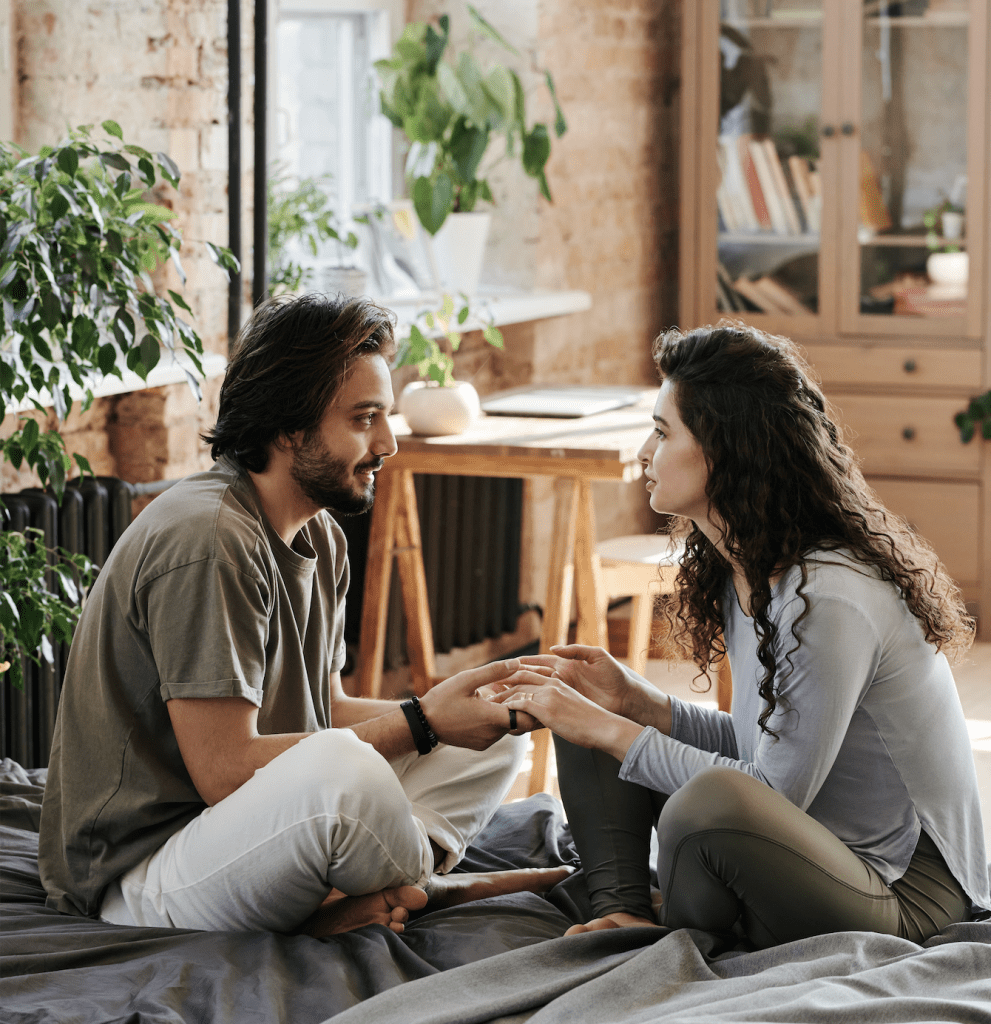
(536, 150)
(435, 43)
(133, 360)
(107, 359)
(467, 146)
(114, 242)
(147, 169)
(83, 463)
(463, 314)
(68, 160)
(433, 201)
(122, 184)
(150, 352)
(560, 125)
(116, 161)
(493, 336)
(29, 437)
(51, 310)
(58, 206)
(112, 128)
(170, 169)
(7, 273)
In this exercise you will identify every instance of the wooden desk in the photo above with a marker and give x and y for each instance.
(574, 452)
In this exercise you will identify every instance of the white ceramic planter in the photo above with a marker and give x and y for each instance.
(459, 249)
(948, 268)
(432, 410)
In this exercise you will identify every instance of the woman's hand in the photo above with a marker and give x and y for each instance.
(597, 675)
(592, 671)
(568, 713)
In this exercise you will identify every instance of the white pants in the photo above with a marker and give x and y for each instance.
(330, 812)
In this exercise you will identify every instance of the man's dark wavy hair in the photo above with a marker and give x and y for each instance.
(287, 364)
(783, 483)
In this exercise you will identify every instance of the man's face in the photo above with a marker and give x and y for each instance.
(335, 465)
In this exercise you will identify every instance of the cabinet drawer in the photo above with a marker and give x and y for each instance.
(946, 514)
(859, 365)
(907, 436)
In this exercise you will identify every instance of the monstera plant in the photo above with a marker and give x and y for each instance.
(79, 240)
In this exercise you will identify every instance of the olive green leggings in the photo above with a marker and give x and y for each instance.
(735, 854)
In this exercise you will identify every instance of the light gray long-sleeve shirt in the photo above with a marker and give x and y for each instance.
(871, 737)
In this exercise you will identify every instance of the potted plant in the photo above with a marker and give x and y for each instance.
(437, 403)
(978, 412)
(301, 213)
(453, 110)
(78, 243)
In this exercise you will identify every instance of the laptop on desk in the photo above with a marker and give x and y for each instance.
(558, 401)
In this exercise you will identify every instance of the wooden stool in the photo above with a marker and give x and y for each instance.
(643, 567)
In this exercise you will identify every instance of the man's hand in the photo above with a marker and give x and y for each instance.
(460, 712)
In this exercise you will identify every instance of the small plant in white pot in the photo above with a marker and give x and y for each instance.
(437, 403)
(453, 110)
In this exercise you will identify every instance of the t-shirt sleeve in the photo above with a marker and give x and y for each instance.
(208, 626)
(343, 574)
(819, 691)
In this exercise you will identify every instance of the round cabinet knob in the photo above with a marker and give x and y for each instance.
(829, 131)
(909, 433)
(848, 128)
(910, 366)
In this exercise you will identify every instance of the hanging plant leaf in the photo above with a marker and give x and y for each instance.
(112, 128)
(433, 201)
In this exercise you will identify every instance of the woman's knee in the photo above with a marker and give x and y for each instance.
(715, 798)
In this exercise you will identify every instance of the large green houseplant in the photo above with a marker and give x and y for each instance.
(79, 240)
(451, 109)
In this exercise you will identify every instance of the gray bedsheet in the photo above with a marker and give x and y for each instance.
(495, 960)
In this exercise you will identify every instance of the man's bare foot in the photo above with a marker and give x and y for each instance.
(340, 913)
(465, 887)
(617, 920)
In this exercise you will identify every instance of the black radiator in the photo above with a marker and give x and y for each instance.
(93, 514)
(470, 529)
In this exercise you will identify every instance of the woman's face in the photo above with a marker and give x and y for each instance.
(674, 466)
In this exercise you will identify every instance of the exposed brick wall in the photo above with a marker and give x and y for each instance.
(159, 70)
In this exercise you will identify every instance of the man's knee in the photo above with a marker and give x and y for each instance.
(336, 761)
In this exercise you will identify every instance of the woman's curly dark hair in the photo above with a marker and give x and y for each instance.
(783, 484)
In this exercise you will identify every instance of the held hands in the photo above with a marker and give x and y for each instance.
(461, 714)
(592, 671)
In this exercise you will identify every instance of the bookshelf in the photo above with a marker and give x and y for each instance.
(817, 137)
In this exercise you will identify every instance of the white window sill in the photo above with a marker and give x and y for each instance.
(498, 307)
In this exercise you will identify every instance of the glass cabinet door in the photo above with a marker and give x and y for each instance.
(911, 156)
(769, 178)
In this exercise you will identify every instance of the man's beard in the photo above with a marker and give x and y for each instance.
(329, 482)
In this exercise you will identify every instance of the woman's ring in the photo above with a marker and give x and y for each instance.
(512, 719)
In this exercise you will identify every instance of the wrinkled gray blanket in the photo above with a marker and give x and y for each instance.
(499, 960)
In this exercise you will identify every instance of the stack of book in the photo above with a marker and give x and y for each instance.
(761, 294)
(759, 192)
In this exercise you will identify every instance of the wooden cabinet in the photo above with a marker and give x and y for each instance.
(835, 189)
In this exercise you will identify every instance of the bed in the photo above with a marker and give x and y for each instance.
(498, 960)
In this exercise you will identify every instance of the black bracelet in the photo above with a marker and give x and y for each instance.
(423, 735)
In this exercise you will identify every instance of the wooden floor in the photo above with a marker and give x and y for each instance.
(973, 678)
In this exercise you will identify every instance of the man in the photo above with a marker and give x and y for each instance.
(208, 770)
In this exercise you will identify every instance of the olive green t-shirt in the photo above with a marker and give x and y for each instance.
(199, 598)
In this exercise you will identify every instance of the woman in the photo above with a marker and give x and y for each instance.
(841, 791)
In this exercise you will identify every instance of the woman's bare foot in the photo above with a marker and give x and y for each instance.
(340, 913)
(465, 887)
(617, 920)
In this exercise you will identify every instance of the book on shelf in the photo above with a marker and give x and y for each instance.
(726, 295)
(807, 190)
(736, 193)
(873, 211)
(787, 202)
(769, 188)
(769, 296)
(757, 199)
